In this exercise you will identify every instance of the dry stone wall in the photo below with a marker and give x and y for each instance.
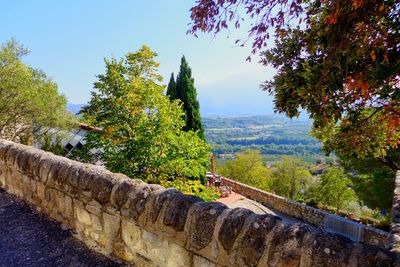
(395, 226)
(147, 225)
(301, 211)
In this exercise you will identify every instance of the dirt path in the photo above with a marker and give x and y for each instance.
(29, 239)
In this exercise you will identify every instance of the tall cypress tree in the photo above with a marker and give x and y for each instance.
(186, 92)
(171, 89)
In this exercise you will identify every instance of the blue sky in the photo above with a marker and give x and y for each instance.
(69, 39)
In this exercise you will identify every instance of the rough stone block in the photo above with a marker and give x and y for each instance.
(202, 262)
(68, 206)
(102, 187)
(139, 197)
(122, 252)
(83, 216)
(112, 225)
(156, 248)
(132, 236)
(123, 187)
(93, 209)
(41, 188)
(232, 226)
(2, 176)
(177, 256)
(177, 207)
(201, 223)
(96, 222)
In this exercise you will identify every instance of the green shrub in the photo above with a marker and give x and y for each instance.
(193, 187)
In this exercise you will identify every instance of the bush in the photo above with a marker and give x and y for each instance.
(193, 187)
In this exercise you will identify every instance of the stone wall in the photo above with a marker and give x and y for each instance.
(147, 225)
(395, 226)
(301, 211)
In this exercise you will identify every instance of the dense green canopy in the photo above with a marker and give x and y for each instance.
(28, 97)
(140, 128)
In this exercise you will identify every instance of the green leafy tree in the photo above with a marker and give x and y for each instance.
(51, 141)
(185, 91)
(28, 98)
(291, 178)
(373, 180)
(139, 128)
(248, 167)
(334, 189)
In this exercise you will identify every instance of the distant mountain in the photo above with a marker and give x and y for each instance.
(74, 108)
(239, 95)
(234, 96)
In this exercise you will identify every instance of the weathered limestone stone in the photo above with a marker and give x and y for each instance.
(60, 202)
(156, 248)
(160, 200)
(54, 173)
(176, 209)
(93, 209)
(69, 210)
(338, 250)
(87, 177)
(2, 177)
(96, 223)
(252, 245)
(202, 262)
(122, 189)
(122, 252)
(41, 190)
(132, 236)
(177, 256)
(285, 248)
(232, 227)
(33, 163)
(4, 146)
(201, 223)
(45, 166)
(21, 160)
(83, 216)
(139, 197)
(102, 186)
(112, 226)
(73, 174)
(97, 236)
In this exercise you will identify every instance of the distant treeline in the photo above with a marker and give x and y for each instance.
(274, 136)
(274, 140)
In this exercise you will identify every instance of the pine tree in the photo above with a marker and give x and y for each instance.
(184, 90)
(171, 89)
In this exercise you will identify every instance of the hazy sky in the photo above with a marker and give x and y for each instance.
(69, 39)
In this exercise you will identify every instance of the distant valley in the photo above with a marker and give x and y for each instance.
(274, 135)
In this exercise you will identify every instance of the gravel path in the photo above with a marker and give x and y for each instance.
(29, 239)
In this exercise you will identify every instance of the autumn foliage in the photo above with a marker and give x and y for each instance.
(339, 60)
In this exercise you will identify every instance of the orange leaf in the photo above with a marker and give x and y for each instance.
(373, 55)
(331, 19)
(357, 3)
